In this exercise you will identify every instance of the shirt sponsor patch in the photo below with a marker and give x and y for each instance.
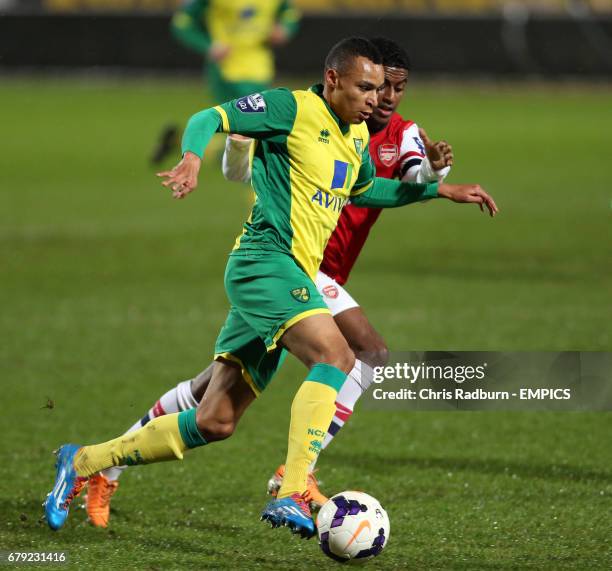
(388, 154)
(419, 144)
(254, 103)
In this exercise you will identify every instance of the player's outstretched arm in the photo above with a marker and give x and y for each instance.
(388, 193)
(385, 193)
(468, 193)
(183, 178)
(267, 115)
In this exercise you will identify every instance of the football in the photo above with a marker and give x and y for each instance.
(353, 527)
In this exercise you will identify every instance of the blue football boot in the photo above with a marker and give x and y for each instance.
(68, 485)
(292, 512)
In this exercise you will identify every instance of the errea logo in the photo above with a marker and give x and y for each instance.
(324, 136)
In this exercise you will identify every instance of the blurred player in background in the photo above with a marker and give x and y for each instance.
(398, 151)
(236, 38)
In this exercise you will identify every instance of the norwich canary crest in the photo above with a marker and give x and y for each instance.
(302, 294)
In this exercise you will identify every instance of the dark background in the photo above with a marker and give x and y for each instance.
(548, 45)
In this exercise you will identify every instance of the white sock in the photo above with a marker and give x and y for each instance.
(357, 383)
(178, 399)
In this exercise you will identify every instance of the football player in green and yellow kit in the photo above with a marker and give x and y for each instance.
(235, 38)
(311, 156)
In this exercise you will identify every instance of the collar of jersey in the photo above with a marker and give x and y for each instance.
(318, 89)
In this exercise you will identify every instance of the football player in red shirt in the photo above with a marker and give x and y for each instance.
(400, 150)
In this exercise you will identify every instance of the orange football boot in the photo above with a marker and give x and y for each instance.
(274, 483)
(312, 494)
(98, 499)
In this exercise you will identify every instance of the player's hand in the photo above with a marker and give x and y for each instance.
(183, 178)
(468, 193)
(440, 153)
(278, 36)
(218, 52)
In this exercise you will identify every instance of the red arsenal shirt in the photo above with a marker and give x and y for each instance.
(396, 150)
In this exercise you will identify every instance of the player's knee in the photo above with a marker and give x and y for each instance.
(216, 431)
(375, 354)
(213, 429)
(348, 361)
(343, 359)
(370, 348)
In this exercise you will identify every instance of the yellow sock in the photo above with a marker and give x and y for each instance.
(163, 438)
(312, 411)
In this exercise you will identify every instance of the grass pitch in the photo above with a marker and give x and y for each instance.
(112, 293)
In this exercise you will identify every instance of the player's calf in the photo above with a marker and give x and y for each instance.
(367, 344)
(227, 397)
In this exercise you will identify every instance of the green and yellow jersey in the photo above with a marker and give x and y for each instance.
(306, 165)
(242, 25)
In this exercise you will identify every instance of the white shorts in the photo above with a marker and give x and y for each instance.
(334, 295)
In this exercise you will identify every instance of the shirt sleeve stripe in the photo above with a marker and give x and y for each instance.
(409, 164)
(358, 191)
(411, 154)
(224, 118)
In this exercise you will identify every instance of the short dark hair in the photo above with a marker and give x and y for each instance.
(341, 56)
(393, 55)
